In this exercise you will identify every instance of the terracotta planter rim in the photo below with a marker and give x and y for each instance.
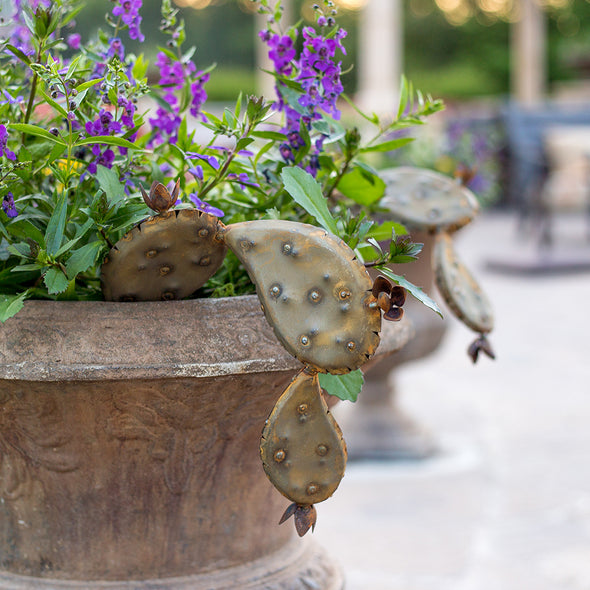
(52, 341)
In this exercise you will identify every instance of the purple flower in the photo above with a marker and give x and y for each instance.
(105, 158)
(204, 206)
(198, 93)
(128, 183)
(174, 75)
(286, 152)
(243, 180)
(165, 127)
(3, 141)
(128, 11)
(281, 52)
(8, 205)
(211, 160)
(11, 99)
(73, 41)
(128, 111)
(105, 124)
(197, 171)
(313, 165)
(116, 48)
(165, 168)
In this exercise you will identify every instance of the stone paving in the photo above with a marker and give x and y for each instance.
(505, 502)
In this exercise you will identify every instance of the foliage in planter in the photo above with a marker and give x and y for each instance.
(77, 140)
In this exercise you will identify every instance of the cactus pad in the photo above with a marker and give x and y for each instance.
(302, 450)
(167, 256)
(314, 292)
(426, 200)
(458, 287)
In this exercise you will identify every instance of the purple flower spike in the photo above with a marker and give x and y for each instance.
(204, 206)
(8, 205)
(128, 12)
(4, 151)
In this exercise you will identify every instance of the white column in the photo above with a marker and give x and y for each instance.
(380, 56)
(529, 53)
(265, 84)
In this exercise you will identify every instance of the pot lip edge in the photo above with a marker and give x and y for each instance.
(394, 337)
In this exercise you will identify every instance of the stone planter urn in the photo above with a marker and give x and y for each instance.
(129, 437)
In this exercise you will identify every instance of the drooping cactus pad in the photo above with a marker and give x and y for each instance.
(167, 256)
(426, 200)
(459, 288)
(302, 450)
(315, 293)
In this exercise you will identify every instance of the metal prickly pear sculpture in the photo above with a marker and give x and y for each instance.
(320, 301)
(167, 256)
(432, 202)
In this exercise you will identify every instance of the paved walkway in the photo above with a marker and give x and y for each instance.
(505, 503)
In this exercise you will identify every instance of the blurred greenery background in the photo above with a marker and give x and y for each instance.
(453, 49)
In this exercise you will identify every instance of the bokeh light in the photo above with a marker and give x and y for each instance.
(197, 4)
(352, 4)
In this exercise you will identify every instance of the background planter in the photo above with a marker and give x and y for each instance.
(129, 449)
(378, 428)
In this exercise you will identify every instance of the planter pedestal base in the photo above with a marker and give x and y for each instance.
(300, 565)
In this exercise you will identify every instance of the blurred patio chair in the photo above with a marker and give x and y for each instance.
(526, 131)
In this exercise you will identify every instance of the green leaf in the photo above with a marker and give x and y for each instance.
(412, 289)
(388, 146)
(372, 118)
(55, 280)
(346, 387)
(385, 230)
(35, 130)
(53, 103)
(405, 95)
(109, 182)
(10, 306)
(306, 191)
(106, 139)
(56, 225)
(88, 84)
(80, 233)
(140, 67)
(82, 259)
(21, 249)
(272, 135)
(361, 187)
(22, 56)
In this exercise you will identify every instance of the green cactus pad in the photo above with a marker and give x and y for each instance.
(458, 287)
(314, 292)
(426, 200)
(167, 256)
(302, 450)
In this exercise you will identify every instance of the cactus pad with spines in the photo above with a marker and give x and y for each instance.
(426, 200)
(167, 256)
(302, 450)
(459, 288)
(315, 293)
